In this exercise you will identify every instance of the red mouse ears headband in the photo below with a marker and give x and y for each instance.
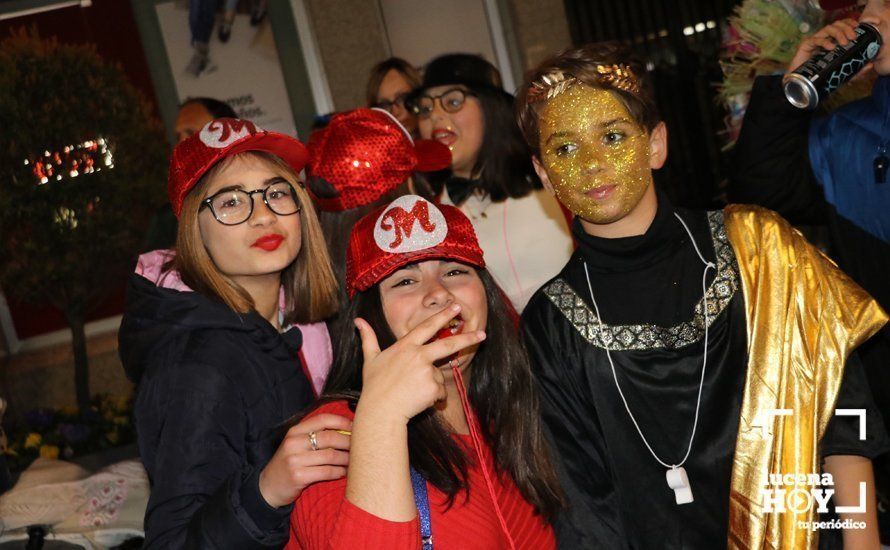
(408, 230)
(363, 154)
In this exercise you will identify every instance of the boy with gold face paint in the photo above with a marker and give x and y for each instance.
(598, 160)
(671, 334)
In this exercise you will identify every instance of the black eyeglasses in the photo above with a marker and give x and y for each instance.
(390, 106)
(451, 101)
(235, 206)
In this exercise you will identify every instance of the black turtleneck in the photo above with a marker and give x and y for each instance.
(646, 288)
(655, 277)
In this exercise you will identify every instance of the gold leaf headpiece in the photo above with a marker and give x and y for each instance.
(552, 84)
(619, 76)
(549, 86)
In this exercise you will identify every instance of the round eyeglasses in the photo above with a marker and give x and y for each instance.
(451, 101)
(235, 206)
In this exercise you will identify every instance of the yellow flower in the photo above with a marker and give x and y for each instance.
(33, 440)
(121, 420)
(49, 451)
(112, 437)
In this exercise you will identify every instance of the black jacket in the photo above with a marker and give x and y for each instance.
(213, 385)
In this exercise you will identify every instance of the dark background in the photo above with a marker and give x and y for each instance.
(111, 27)
(684, 68)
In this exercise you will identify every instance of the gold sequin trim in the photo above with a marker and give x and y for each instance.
(646, 337)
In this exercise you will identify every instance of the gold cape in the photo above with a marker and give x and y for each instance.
(804, 317)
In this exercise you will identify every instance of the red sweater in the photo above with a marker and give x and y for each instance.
(323, 518)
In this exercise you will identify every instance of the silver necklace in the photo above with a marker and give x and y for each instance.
(676, 473)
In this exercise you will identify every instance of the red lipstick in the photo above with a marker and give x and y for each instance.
(445, 136)
(268, 242)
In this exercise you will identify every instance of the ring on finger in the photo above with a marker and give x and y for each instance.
(313, 441)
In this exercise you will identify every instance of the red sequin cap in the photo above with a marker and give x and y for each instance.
(219, 139)
(409, 229)
(364, 154)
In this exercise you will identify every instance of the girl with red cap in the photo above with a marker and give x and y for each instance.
(446, 448)
(217, 370)
(361, 160)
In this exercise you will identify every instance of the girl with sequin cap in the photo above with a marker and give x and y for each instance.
(361, 160)
(690, 363)
(447, 448)
(462, 105)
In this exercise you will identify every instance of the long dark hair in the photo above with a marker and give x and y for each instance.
(500, 389)
(504, 163)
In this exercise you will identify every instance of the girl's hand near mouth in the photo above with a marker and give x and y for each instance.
(402, 380)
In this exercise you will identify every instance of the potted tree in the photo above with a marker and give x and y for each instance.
(81, 166)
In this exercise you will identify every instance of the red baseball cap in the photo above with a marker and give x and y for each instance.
(363, 154)
(409, 229)
(219, 139)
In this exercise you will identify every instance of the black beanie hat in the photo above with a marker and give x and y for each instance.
(461, 68)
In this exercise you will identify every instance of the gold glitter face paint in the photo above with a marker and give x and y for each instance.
(595, 154)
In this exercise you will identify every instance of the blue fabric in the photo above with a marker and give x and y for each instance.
(422, 500)
(202, 16)
(842, 150)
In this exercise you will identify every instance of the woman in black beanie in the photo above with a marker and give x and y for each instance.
(461, 103)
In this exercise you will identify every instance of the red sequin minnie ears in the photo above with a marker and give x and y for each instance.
(364, 154)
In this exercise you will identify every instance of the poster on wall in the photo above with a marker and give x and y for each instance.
(226, 50)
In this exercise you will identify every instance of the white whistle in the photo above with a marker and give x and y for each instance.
(679, 482)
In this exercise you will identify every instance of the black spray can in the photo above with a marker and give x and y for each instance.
(826, 71)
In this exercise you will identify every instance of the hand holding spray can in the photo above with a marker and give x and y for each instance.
(826, 71)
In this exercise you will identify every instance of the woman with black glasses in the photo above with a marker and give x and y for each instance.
(216, 366)
(520, 226)
(389, 84)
